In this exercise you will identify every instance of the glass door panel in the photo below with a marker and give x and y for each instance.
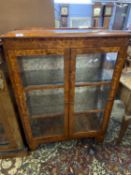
(48, 126)
(42, 70)
(45, 102)
(90, 98)
(90, 102)
(43, 75)
(91, 85)
(3, 138)
(87, 122)
(46, 111)
(95, 67)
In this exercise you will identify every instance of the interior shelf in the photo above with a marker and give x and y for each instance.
(100, 83)
(42, 87)
(43, 116)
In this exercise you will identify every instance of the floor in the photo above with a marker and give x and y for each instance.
(78, 157)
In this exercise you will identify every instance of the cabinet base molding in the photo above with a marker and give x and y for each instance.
(14, 153)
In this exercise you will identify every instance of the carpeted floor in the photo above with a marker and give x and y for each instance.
(77, 157)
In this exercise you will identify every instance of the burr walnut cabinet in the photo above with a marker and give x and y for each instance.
(64, 81)
(11, 143)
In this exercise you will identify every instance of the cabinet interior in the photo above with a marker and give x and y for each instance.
(43, 78)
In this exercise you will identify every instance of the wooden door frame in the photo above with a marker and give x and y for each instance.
(19, 91)
(114, 84)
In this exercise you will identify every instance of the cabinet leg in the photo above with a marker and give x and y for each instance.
(100, 138)
(33, 146)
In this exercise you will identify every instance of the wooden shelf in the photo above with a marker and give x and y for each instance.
(41, 117)
(89, 112)
(43, 87)
(80, 84)
(57, 86)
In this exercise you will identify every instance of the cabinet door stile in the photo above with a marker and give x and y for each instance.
(115, 83)
(72, 90)
(19, 92)
(66, 87)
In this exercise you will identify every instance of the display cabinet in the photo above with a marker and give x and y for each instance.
(11, 143)
(64, 81)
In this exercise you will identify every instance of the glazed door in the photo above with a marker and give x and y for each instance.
(9, 141)
(40, 79)
(91, 86)
(5, 137)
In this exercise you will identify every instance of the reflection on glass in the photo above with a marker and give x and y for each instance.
(90, 98)
(87, 122)
(3, 139)
(42, 70)
(95, 67)
(45, 102)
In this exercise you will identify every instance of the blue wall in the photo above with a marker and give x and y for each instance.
(129, 20)
(76, 10)
(85, 10)
(57, 11)
(80, 10)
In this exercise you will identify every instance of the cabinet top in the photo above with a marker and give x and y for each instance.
(64, 33)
